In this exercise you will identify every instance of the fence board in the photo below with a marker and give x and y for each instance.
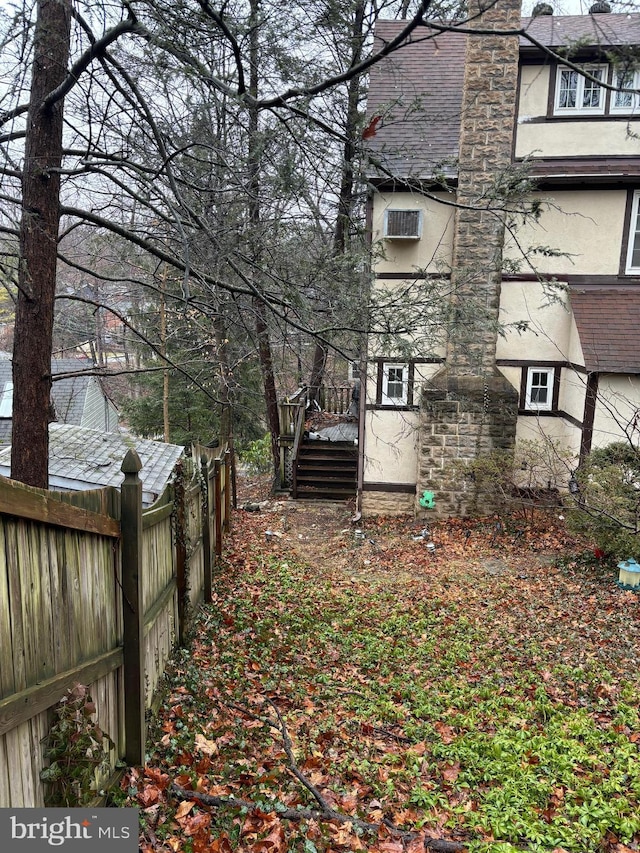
(4, 774)
(61, 608)
(40, 506)
(16, 708)
(7, 682)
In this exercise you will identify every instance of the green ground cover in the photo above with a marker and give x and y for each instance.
(482, 697)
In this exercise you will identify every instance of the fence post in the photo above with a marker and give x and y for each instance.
(206, 533)
(217, 508)
(227, 490)
(181, 552)
(132, 605)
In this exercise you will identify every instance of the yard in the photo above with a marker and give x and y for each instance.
(378, 695)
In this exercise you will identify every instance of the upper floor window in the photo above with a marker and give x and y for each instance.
(403, 224)
(622, 100)
(633, 250)
(576, 93)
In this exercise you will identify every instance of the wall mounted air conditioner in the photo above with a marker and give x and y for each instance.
(402, 224)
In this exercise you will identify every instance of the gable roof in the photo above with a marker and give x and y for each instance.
(608, 323)
(69, 394)
(81, 458)
(417, 90)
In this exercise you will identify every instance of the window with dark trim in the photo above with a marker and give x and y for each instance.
(632, 265)
(577, 94)
(539, 389)
(6, 400)
(395, 383)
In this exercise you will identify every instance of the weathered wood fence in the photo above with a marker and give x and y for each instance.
(95, 590)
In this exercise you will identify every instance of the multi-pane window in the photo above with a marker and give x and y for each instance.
(633, 252)
(395, 384)
(539, 391)
(576, 93)
(623, 100)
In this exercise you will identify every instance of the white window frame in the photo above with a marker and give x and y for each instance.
(385, 228)
(395, 400)
(535, 405)
(629, 80)
(633, 236)
(582, 85)
(6, 400)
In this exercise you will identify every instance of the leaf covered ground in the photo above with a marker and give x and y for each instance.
(482, 696)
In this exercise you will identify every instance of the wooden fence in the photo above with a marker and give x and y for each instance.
(95, 590)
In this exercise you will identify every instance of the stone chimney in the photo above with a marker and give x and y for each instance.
(468, 408)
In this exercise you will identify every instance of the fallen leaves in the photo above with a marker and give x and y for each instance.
(416, 688)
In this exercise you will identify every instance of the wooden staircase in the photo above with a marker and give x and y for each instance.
(325, 470)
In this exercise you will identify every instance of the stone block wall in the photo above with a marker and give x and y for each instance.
(462, 418)
(387, 503)
(470, 409)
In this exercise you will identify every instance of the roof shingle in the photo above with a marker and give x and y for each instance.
(417, 90)
(608, 323)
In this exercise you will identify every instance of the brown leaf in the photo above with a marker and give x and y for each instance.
(190, 826)
(451, 773)
(447, 733)
(184, 808)
(209, 747)
(149, 795)
(391, 846)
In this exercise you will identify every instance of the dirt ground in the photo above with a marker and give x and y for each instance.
(327, 533)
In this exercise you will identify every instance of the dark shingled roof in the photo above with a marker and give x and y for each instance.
(612, 30)
(418, 93)
(608, 322)
(417, 90)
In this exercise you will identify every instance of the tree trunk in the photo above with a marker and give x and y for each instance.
(254, 157)
(345, 197)
(38, 248)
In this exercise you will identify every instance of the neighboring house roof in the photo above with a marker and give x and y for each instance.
(608, 323)
(77, 399)
(81, 459)
(417, 90)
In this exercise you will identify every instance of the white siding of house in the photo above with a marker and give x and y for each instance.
(587, 226)
(548, 337)
(98, 412)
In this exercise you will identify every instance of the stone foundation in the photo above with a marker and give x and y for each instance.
(387, 503)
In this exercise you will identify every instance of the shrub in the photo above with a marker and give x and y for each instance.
(607, 505)
(519, 480)
(78, 751)
(257, 455)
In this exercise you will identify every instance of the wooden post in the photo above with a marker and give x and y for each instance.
(217, 508)
(181, 552)
(227, 490)
(133, 617)
(206, 533)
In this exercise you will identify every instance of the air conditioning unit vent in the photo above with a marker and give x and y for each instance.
(403, 224)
